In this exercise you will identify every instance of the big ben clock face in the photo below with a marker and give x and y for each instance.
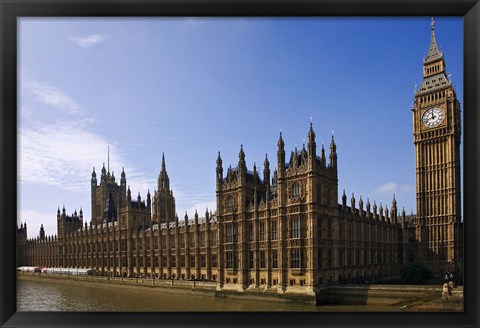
(433, 117)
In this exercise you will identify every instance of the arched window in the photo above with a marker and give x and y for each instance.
(230, 201)
(296, 190)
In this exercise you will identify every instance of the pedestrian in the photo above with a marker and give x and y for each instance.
(446, 277)
(446, 292)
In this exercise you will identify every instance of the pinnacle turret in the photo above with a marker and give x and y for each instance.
(433, 52)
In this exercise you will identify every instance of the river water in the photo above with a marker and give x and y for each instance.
(48, 295)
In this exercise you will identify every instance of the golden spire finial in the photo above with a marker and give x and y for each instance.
(433, 24)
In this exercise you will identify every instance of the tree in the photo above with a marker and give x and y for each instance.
(416, 273)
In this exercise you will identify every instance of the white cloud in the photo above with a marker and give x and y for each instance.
(391, 187)
(53, 96)
(89, 40)
(387, 187)
(64, 153)
(200, 208)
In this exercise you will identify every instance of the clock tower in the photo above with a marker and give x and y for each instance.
(436, 134)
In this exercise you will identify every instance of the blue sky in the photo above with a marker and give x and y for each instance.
(190, 87)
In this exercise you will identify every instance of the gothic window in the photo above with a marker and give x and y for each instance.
(182, 261)
(296, 190)
(192, 261)
(231, 259)
(250, 260)
(231, 233)
(274, 230)
(203, 261)
(230, 201)
(214, 260)
(182, 241)
(172, 241)
(213, 238)
(192, 240)
(295, 232)
(202, 238)
(262, 259)
(262, 231)
(296, 258)
(274, 259)
(173, 261)
(250, 232)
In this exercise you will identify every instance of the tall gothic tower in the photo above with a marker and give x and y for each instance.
(436, 134)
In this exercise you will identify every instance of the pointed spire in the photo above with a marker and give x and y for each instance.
(266, 172)
(241, 154)
(311, 133)
(333, 152)
(333, 146)
(433, 52)
(219, 171)
(163, 162)
(281, 143)
(108, 159)
(360, 205)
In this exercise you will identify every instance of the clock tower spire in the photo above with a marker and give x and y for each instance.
(436, 135)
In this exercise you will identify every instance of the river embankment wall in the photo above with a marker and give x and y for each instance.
(368, 294)
(374, 294)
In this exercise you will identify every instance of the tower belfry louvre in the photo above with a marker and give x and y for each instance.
(436, 134)
(284, 231)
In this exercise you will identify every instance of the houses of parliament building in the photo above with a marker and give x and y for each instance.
(283, 230)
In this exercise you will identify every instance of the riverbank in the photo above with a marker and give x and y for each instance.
(162, 286)
(390, 298)
(402, 297)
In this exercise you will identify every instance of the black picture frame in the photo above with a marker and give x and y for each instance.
(11, 10)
